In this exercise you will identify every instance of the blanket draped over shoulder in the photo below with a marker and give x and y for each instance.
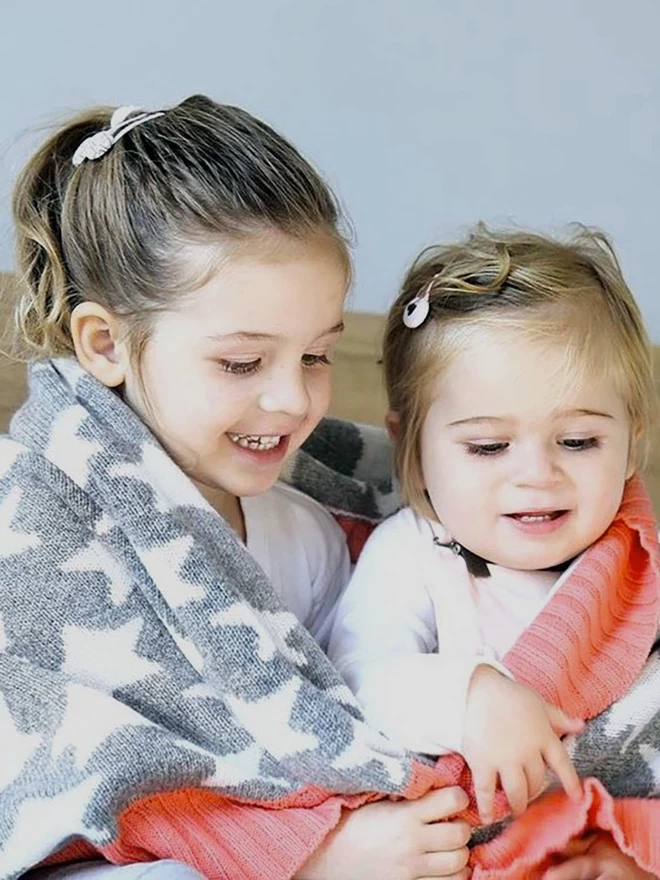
(158, 701)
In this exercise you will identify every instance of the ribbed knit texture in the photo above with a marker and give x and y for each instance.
(582, 653)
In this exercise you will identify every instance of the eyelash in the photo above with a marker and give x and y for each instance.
(247, 368)
(494, 449)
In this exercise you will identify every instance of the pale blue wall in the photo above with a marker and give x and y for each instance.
(425, 115)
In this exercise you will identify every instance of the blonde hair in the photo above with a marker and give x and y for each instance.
(570, 291)
(116, 230)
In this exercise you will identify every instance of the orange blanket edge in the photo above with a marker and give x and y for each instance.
(525, 849)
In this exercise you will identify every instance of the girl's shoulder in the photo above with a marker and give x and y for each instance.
(409, 525)
(403, 535)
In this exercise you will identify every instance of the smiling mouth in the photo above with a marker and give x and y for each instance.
(534, 517)
(256, 442)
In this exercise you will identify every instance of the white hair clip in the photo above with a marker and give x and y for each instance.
(417, 310)
(123, 120)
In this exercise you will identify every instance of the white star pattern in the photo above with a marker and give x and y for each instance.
(89, 719)
(12, 542)
(368, 747)
(267, 719)
(9, 452)
(96, 557)
(164, 565)
(200, 691)
(106, 658)
(66, 450)
(17, 747)
(57, 817)
(103, 525)
(632, 708)
(283, 623)
(189, 650)
(342, 694)
(652, 757)
(236, 769)
(158, 470)
(270, 641)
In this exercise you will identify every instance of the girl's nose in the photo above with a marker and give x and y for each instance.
(286, 393)
(537, 467)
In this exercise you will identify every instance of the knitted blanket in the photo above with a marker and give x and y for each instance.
(156, 699)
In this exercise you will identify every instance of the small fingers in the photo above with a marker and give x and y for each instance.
(558, 760)
(535, 774)
(514, 783)
(561, 723)
(484, 792)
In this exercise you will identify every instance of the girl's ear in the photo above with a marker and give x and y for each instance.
(392, 422)
(98, 340)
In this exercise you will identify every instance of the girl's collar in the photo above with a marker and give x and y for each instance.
(477, 565)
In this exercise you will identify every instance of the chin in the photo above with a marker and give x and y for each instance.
(249, 487)
(538, 562)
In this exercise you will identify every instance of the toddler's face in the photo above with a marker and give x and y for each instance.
(522, 465)
(237, 377)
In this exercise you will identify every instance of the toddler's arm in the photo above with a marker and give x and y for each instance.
(384, 642)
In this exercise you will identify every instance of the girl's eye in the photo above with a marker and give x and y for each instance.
(315, 360)
(486, 448)
(579, 443)
(240, 368)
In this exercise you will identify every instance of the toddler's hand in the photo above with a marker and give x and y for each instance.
(511, 733)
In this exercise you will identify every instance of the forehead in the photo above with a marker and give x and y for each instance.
(503, 373)
(270, 290)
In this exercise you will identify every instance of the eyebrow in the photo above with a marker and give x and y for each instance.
(246, 336)
(563, 413)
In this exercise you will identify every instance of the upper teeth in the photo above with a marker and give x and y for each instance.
(525, 517)
(256, 441)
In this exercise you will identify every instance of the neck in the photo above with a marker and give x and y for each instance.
(228, 506)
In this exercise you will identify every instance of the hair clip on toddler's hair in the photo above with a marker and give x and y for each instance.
(417, 310)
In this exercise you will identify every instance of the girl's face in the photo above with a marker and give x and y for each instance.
(523, 467)
(236, 378)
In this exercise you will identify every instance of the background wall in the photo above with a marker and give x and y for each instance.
(426, 115)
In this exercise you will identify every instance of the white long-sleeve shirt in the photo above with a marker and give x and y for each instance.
(413, 625)
(302, 550)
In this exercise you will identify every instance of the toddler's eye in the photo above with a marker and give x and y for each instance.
(240, 368)
(580, 443)
(486, 448)
(314, 360)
